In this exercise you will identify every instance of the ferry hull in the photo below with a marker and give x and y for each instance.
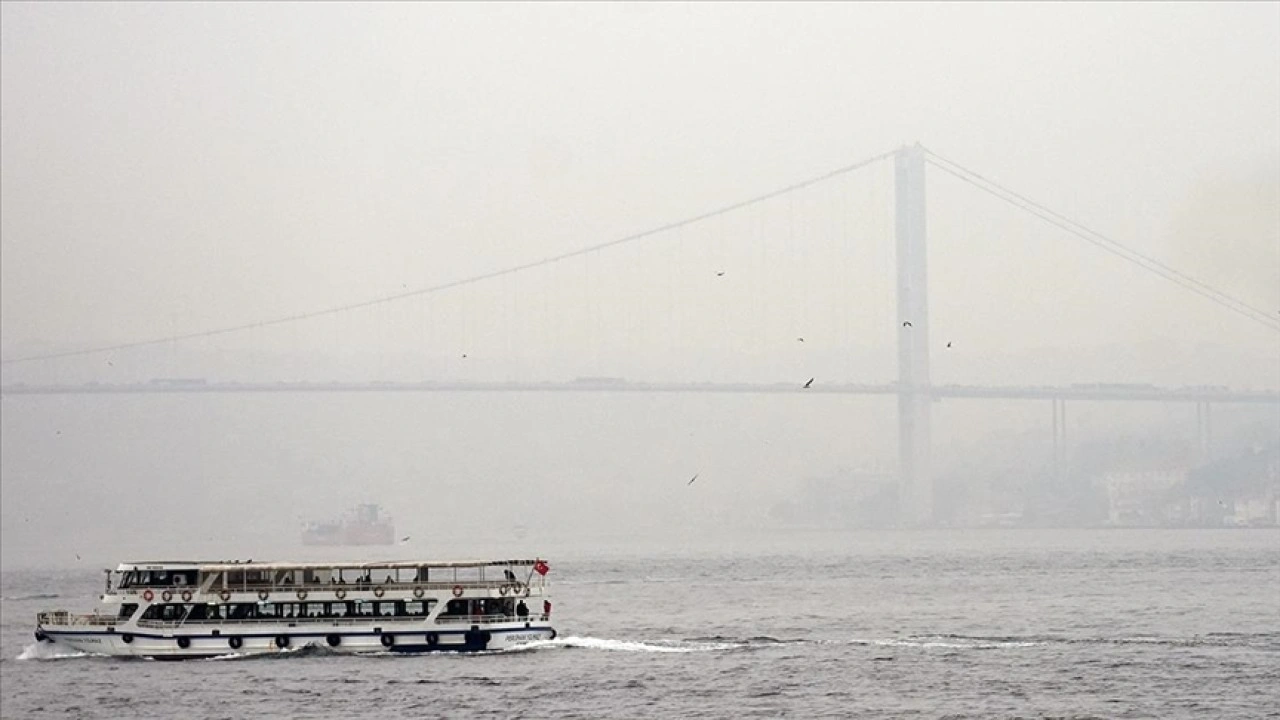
(168, 646)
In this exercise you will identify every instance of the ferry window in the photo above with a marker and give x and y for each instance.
(337, 609)
(128, 609)
(267, 610)
(164, 612)
(418, 608)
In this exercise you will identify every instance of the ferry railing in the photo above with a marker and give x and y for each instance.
(482, 619)
(345, 621)
(293, 588)
(291, 621)
(62, 617)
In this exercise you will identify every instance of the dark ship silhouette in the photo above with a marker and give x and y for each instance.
(363, 525)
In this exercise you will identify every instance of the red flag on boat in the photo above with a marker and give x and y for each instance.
(541, 567)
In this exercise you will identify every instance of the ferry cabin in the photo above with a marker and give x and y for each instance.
(185, 609)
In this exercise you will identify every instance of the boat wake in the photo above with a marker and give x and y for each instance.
(51, 651)
(634, 646)
(949, 642)
(310, 649)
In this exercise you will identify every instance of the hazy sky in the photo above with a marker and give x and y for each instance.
(178, 167)
(174, 167)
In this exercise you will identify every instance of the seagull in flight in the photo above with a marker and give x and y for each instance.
(948, 344)
(404, 539)
(720, 273)
(800, 339)
(695, 477)
(806, 385)
(906, 324)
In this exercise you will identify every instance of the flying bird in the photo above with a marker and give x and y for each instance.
(806, 385)
(695, 477)
(720, 273)
(464, 354)
(906, 324)
(404, 539)
(948, 344)
(800, 339)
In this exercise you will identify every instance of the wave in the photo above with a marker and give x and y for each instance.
(947, 642)
(612, 645)
(994, 642)
(738, 642)
(51, 651)
(37, 596)
(310, 649)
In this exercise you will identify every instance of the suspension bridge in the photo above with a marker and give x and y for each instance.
(645, 294)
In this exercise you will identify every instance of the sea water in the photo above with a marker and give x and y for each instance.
(942, 624)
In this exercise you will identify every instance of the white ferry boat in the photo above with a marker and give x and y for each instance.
(181, 610)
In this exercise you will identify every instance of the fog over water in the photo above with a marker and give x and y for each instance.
(174, 169)
(217, 203)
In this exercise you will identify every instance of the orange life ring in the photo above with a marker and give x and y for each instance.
(418, 593)
(263, 594)
(379, 591)
(225, 595)
(503, 590)
(148, 595)
(340, 593)
(167, 595)
(186, 596)
(457, 591)
(302, 594)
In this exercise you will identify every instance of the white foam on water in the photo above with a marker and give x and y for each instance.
(50, 651)
(612, 645)
(949, 644)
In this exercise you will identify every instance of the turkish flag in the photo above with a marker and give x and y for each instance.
(541, 567)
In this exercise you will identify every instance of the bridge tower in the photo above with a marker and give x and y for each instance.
(915, 480)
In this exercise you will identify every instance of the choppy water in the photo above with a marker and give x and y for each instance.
(1141, 624)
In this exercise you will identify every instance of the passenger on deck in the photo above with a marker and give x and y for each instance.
(522, 610)
(511, 577)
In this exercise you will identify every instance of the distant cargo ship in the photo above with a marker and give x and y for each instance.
(365, 525)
